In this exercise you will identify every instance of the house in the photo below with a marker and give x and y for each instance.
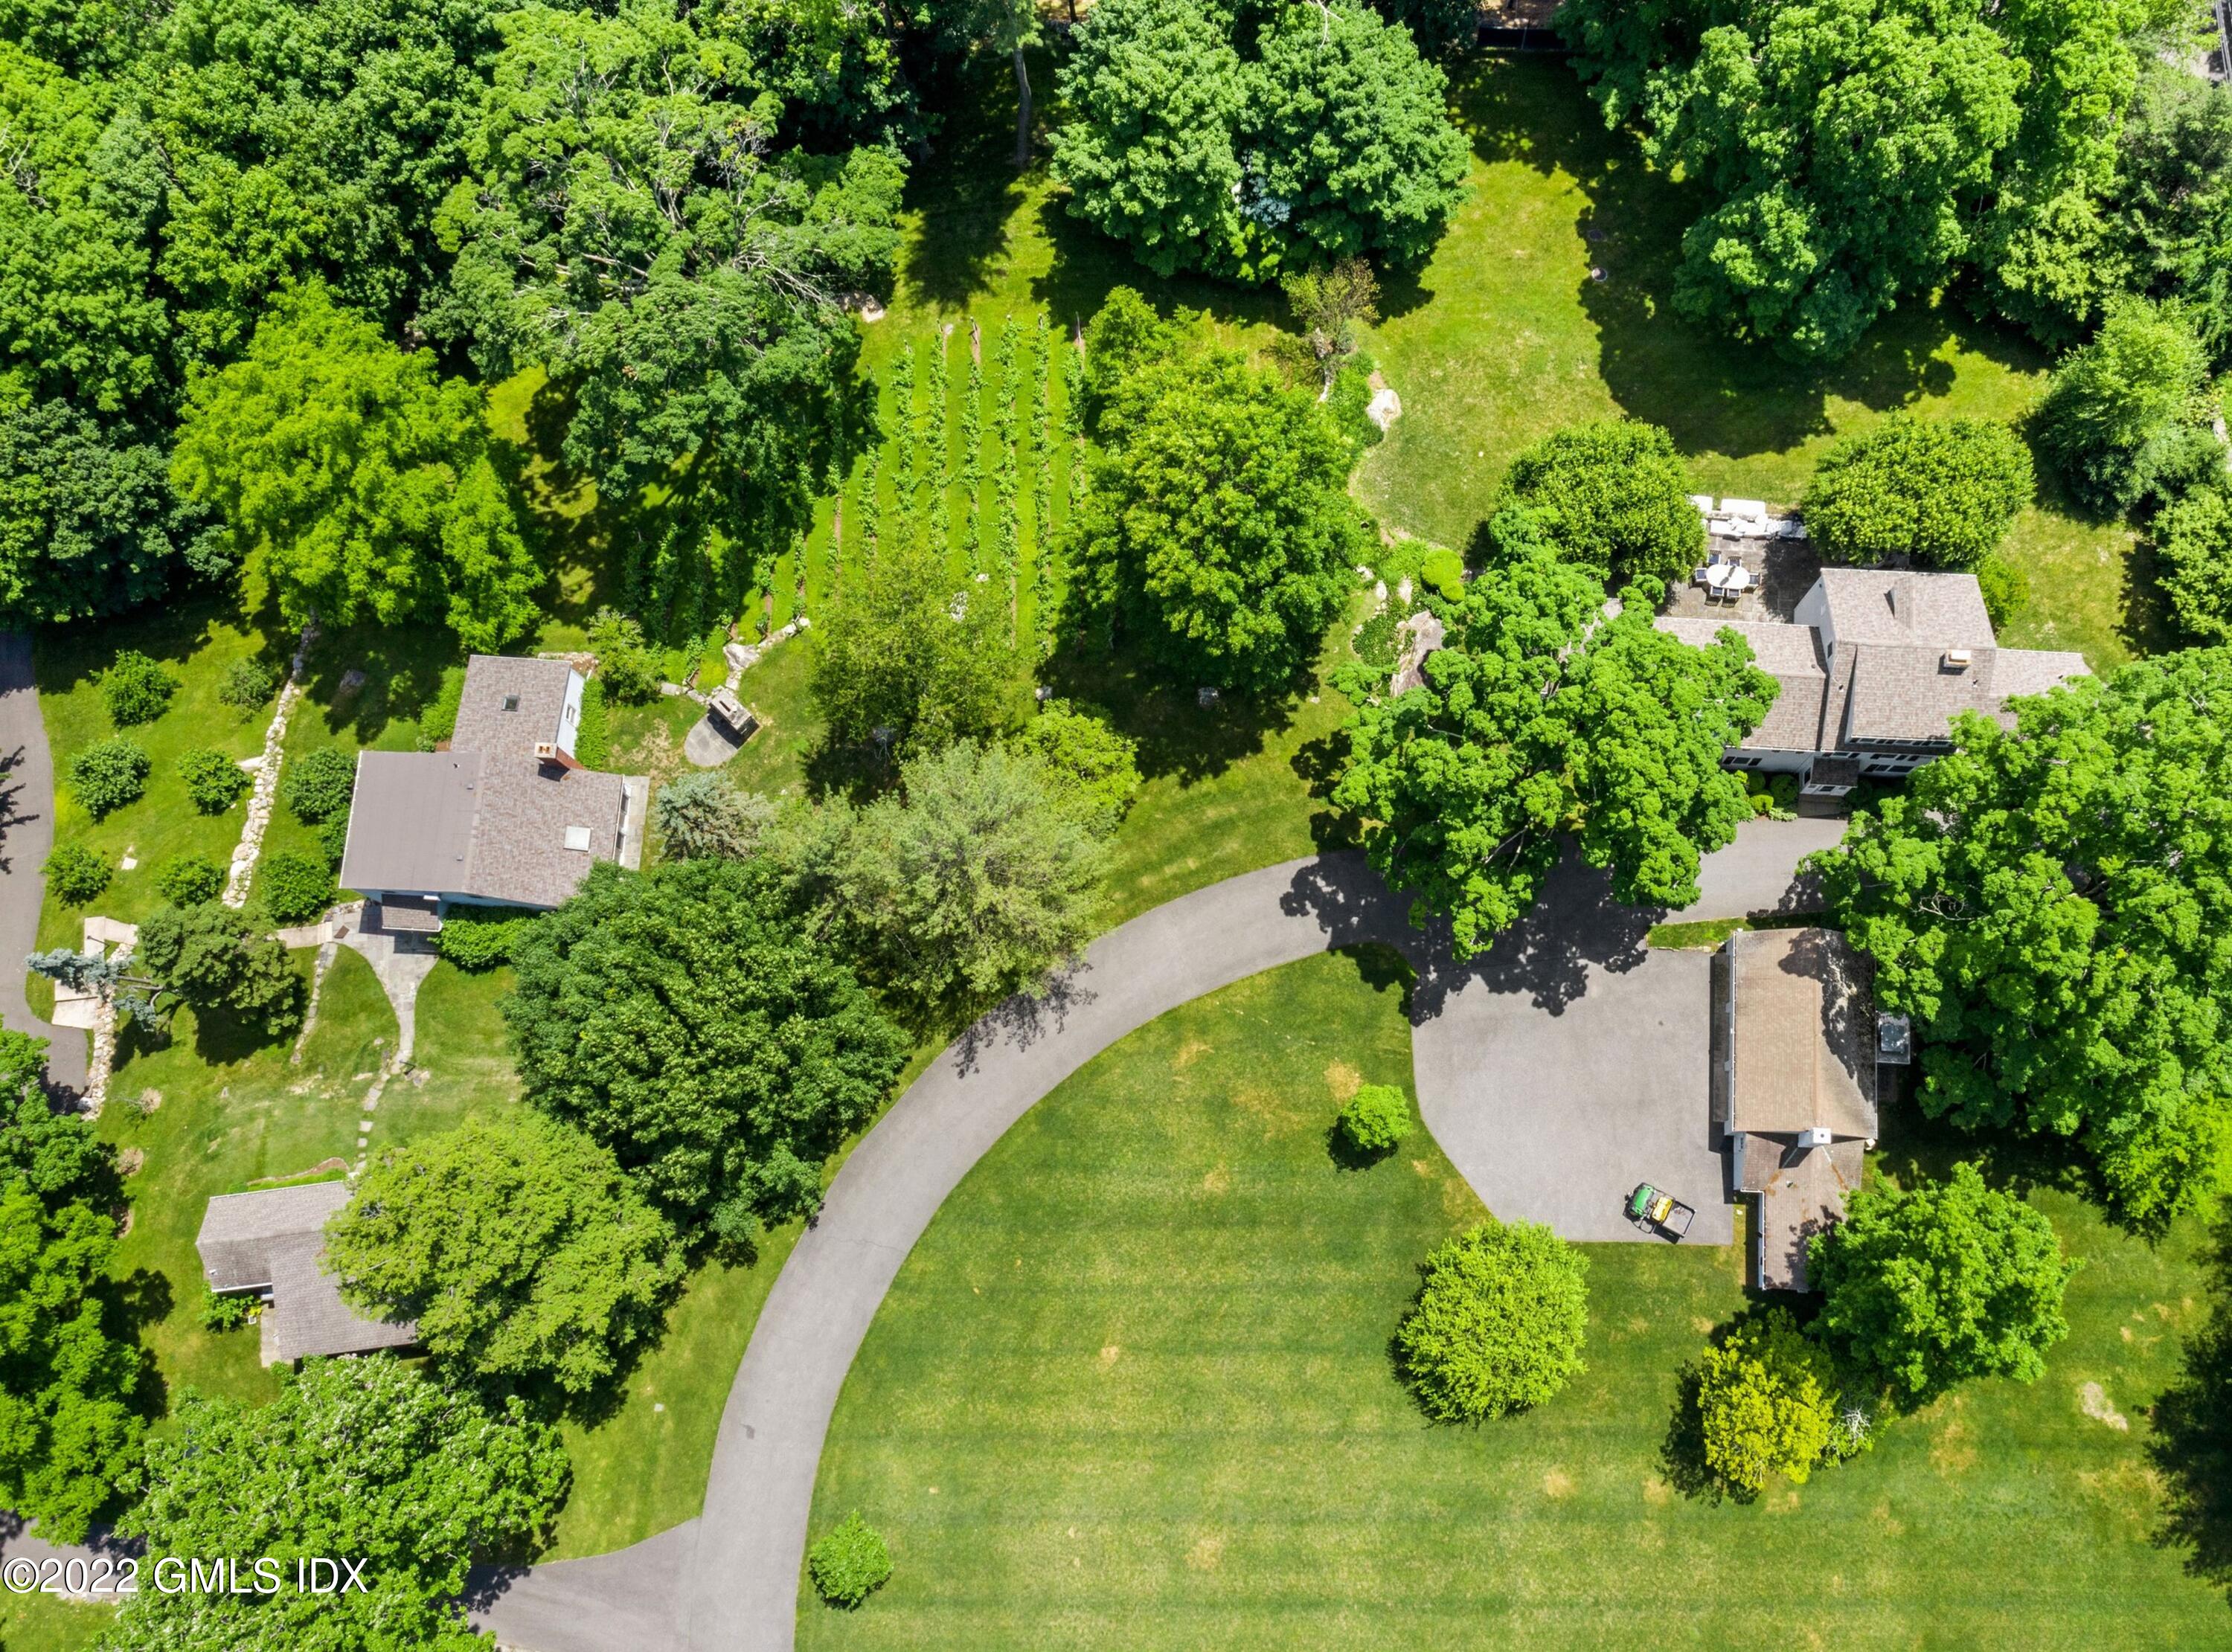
(269, 1241)
(506, 817)
(1795, 1085)
(1874, 664)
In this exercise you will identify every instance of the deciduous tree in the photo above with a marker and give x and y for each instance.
(519, 1247)
(2119, 407)
(1943, 491)
(2047, 904)
(1544, 722)
(1931, 1286)
(1500, 1323)
(217, 960)
(362, 1458)
(684, 1018)
(1615, 494)
(356, 481)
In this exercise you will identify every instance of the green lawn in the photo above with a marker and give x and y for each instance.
(1504, 337)
(1132, 1389)
(49, 1622)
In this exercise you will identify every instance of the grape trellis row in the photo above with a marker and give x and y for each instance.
(922, 478)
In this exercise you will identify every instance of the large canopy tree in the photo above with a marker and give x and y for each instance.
(2051, 903)
(1215, 532)
(632, 226)
(1543, 721)
(356, 481)
(362, 1458)
(683, 1019)
(517, 1245)
(1857, 151)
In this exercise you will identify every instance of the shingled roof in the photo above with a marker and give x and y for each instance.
(273, 1240)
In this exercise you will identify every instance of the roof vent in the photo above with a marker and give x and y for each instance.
(577, 837)
(1812, 1137)
(1958, 659)
(547, 750)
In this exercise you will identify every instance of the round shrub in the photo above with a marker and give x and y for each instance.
(189, 880)
(297, 888)
(1499, 1322)
(1092, 770)
(317, 787)
(1615, 496)
(223, 1312)
(213, 781)
(76, 874)
(108, 775)
(137, 689)
(1375, 1119)
(1443, 573)
(481, 938)
(1943, 491)
(848, 1564)
(247, 685)
(332, 837)
(626, 664)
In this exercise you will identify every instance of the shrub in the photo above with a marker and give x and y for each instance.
(1768, 1404)
(297, 888)
(439, 720)
(318, 785)
(332, 837)
(481, 938)
(2005, 588)
(1091, 769)
(246, 685)
(188, 880)
(1943, 491)
(1499, 1324)
(593, 741)
(1774, 796)
(223, 1312)
(1442, 572)
(2193, 547)
(1374, 641)
(75, 874)
(625, 665)
(1375, 1119)
(108, 775)
(2112, 400)
(213, 781)
(1615, 496)
(848, 1564)
(137, 689)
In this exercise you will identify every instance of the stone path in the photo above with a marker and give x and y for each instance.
(733, 1585)
(265, 792)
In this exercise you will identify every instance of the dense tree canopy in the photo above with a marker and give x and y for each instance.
(1931, 1286)
(356, 481)
(631, 226)
(1615, 494)
(1857, 151)
(1242, 141)
(1215, 532)
(2193, 551)
(2122, 409)
(2050, 903)
(1943, 492)
(683, 1019)
(1541, 721)
(357, 1457)
(219, 961)
(517, 1245)
(69, 1432)
(2172, 199)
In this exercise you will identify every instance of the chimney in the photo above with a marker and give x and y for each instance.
(1958, 659)
(549, 751)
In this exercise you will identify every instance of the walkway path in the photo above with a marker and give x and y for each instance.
(732, 1586)
(27, 833)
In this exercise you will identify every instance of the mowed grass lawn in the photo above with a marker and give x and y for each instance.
(1131, 1391)
(1506, 335)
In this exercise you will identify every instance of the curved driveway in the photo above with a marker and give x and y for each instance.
(728, 1581)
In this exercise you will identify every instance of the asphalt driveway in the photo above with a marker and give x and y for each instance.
(26, 833)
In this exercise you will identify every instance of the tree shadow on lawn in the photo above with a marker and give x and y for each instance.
(2192, 1443)
(1177, 736)
(402, 667)
(168, 632)
(1714, 393)
(1915, 1148)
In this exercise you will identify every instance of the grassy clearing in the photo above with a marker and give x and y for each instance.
(1504, 336)
(461, 1045)
(1132, 1389)
(227, 1113)
(49, 1623)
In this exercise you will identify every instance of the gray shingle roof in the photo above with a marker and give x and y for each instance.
(1791, 655)
(520, 856)
(484, 724)
(272, 1239)
(411, 825)
(1903, 607)
(1805, 1052)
